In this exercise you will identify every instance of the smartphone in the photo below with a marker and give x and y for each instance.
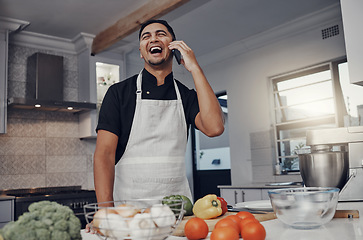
(177, 55)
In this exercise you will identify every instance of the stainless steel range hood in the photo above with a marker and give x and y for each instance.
(44, 87)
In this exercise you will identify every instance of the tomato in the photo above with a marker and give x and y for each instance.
(253, 231)
(244, 214)
(227, 222)
(247, 220)
(224, 233)
(196, 228)
(236, 219)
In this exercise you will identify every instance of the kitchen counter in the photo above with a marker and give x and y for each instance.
(258, 186)
(337, 229)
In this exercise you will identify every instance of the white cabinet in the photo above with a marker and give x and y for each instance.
(236, 195)
(102, 73)
(352, 22)
(7, 211)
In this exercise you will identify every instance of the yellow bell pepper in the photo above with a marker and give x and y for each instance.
(207, 207)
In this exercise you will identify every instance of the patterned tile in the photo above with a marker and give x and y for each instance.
(62, 129)
(70, 79)
(70, 62)
(25, 127)
(61, 116)
(16, 89)
(25, 114)
(62, 164)
(66, 179)
(22, 181)
(70, 94)
(14, 165)
(64, 147)
(17, 72)
(22, 146)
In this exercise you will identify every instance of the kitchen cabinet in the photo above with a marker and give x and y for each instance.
(352, 23)
(252, 192)
(6, 210)
(236, 195)
(101, 73)
(7, 25)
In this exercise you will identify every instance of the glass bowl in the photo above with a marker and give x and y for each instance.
(142, 219)
(304, 208)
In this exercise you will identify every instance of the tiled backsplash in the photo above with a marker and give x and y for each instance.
(42, 149)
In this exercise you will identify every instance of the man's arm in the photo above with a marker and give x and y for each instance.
(104, 165)
(210, 118)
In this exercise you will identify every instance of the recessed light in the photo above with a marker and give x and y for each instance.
(37, 105)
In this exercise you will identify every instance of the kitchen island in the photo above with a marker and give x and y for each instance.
(337, 229)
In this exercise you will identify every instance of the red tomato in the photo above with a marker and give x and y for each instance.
(227, 222)
(253, 231)
(247, 220)
(196, 228)
(236, 219)
(244, 214)
(224, 233)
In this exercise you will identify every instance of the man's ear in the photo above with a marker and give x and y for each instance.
(140, 54)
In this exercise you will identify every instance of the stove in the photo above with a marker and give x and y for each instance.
(72, 196)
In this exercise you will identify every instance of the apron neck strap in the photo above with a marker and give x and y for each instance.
(139, 91)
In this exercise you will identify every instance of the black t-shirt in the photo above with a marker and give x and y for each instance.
(118, 106)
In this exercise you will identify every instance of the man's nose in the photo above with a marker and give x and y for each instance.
(153, 37)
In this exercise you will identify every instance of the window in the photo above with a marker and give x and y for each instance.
(307, 99)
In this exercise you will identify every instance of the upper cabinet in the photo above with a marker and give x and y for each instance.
(6, 27)
(352, 22)
(103, 72)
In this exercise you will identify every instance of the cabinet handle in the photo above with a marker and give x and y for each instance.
(235, 197)
(243, 196)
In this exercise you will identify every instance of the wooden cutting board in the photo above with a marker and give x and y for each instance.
(260, 217)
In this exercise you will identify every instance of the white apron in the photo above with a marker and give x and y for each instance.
(153, 164)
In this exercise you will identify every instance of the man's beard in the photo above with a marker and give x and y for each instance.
(157, 63)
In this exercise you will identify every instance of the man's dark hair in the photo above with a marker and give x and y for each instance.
(170, 29)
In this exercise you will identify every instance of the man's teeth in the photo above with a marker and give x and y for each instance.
(155, 49)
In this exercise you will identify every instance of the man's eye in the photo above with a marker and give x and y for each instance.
(162, 34)
(145, 37)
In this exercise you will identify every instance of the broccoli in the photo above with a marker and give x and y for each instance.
(45, 221)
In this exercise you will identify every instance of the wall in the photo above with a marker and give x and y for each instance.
(42, 149)
(245, 77)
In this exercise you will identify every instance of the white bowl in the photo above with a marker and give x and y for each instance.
(304, 208)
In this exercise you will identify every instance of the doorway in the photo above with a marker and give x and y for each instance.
(211, 157)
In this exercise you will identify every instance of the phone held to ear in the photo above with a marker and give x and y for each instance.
(177, 55)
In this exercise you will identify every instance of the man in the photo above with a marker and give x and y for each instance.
(143, 122)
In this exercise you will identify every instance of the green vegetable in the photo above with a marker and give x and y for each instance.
(188, 205)
(45, 221)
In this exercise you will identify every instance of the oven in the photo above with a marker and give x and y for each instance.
(71, 196)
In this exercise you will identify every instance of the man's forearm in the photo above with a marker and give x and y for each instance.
(104, 179)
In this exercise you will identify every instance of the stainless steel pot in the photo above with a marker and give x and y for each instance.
(324, 169)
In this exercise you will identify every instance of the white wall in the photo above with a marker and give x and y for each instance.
(245, 78)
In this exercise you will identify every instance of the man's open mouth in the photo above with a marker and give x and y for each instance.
(155, 50)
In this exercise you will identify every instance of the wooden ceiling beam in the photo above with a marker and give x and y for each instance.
(153, 9)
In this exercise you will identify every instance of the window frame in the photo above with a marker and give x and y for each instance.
(336, 118)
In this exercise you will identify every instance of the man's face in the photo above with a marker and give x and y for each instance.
(154, 42)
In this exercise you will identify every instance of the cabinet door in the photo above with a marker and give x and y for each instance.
(231, 195)
(251, 194)
(7, 212)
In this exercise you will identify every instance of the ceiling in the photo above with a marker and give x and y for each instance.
(205, 25)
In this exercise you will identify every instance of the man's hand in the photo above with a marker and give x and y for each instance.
(189, 60)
